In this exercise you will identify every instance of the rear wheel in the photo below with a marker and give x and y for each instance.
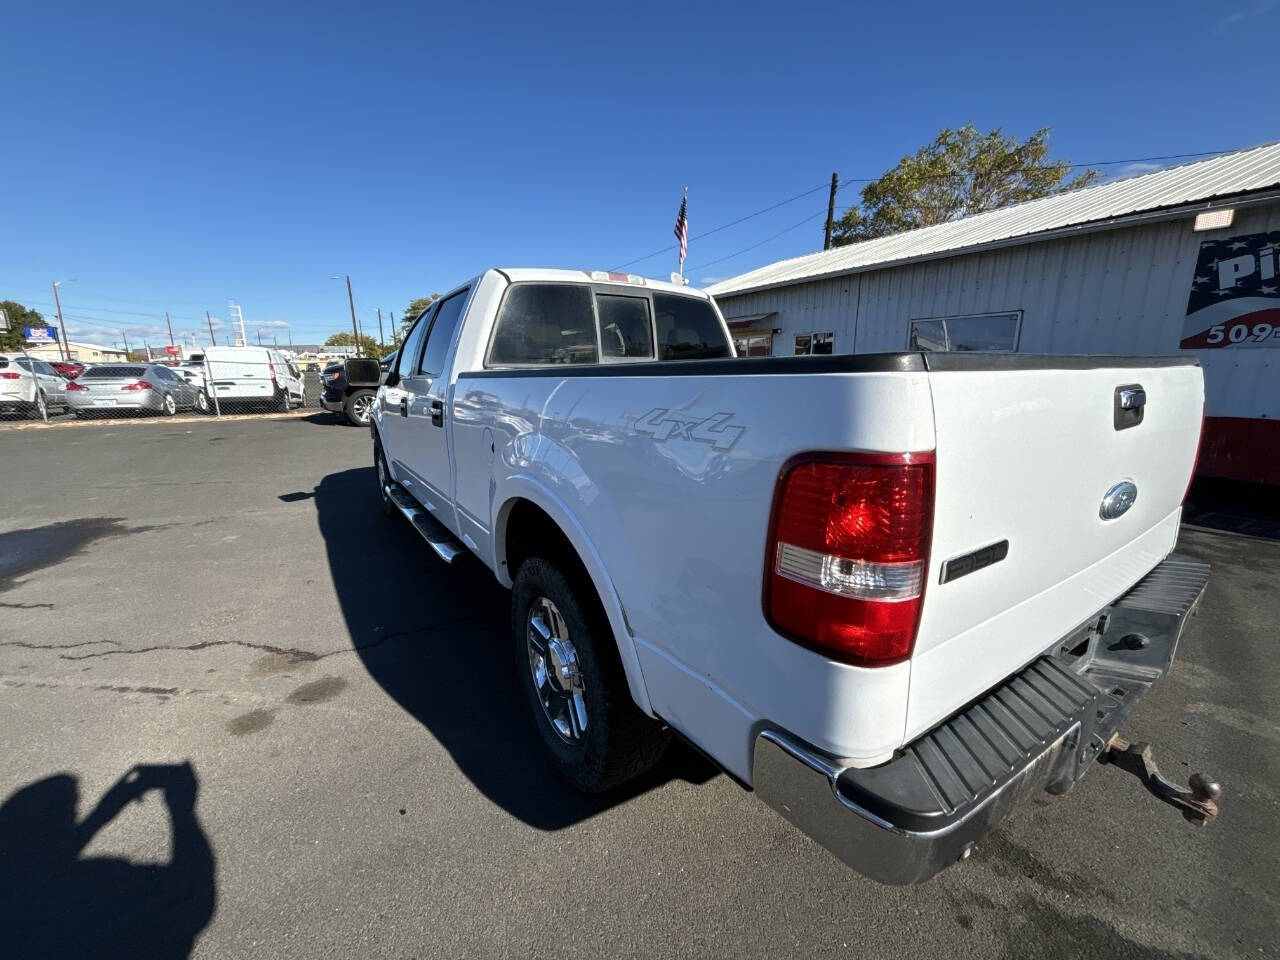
(282, 402)
(202, 402)
(572, 678)
(40, 409)
(168, 405)
(359, 407)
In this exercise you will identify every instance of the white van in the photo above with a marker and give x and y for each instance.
(255, 374)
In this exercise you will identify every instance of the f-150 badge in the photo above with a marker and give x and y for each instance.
(663, 424)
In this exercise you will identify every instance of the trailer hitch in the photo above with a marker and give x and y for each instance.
(1198, 801)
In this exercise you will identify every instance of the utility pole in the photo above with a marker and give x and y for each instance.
(355, 328)
(66, 349)
(169, 323)
(381, 340)
(275, 341)
(395, 331)
(259, 336)
(290, 332)
(127, 351)
(831, 212)
(209, 320)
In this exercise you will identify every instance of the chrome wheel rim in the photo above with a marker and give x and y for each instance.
(553, 665)
(360, 408)
(202, 402)
(169, 405)
(382, 477)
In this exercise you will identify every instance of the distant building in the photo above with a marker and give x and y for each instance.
(84, 352)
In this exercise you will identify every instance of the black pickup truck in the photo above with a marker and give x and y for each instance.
(349, 387)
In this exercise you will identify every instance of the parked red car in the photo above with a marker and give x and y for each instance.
(68, 368)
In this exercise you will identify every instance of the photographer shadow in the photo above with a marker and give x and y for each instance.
(56, 902)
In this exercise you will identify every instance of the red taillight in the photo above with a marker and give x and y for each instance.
(72, 385)
(140, 385)
(849, 552)
(10, 376)
(271, 369)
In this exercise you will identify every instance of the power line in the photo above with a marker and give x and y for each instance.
(794, 226)
(723, 226)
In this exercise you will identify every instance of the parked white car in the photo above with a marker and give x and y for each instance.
(30, 387)
(260, 374)
(893, 593)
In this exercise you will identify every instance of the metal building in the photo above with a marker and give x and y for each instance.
(1180, 259)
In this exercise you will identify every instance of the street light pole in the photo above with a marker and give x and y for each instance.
(351, 301)
(381, 340)
(62, 327)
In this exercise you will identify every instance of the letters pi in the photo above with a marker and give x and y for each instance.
(663, 424)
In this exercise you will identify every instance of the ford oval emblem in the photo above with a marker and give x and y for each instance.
(1118, 500)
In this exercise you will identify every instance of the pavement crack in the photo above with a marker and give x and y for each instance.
(26, 645)
(294, 654)
(26, 606)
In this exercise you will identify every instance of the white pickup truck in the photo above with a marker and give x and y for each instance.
(891, 593)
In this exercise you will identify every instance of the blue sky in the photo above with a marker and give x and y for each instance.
(174, 156)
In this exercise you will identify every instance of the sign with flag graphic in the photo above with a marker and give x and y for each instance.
(1235, 294)
(682, 227)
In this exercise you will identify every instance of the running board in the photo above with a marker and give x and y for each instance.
(432, 530)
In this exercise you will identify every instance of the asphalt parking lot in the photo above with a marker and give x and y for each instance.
(332, 759)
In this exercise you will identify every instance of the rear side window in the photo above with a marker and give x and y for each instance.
(542, 323)
(112, 373)
(688, 329)
(625, 330)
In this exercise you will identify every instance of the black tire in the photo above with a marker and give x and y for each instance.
(202, 403)
(40, 408)
(170, 406)
(357, 408)
(282, 402)
(383, 475)
(619, 742)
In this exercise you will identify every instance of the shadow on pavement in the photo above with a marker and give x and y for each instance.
(1250, 509)
(55, 902)
(436, 637)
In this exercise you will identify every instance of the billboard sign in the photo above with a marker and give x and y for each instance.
(40, 334)
(173, 351)
(1235, 294)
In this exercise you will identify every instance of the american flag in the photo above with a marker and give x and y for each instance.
(682, 227)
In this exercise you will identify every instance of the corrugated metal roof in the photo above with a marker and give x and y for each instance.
(1230, 174)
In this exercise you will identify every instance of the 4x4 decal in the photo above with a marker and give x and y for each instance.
(663, 424)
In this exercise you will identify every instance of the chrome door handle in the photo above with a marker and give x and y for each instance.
(1131, 398)
(437, 413)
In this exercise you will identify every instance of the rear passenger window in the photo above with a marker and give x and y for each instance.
(688, 329)
(545, 323)
(625, 331)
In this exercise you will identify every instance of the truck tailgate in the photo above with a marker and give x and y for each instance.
(1027, 450)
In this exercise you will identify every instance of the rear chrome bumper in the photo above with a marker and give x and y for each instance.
(1041, 729)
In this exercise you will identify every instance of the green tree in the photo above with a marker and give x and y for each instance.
(961, 173)
(19, 317)
(414, 310)
(368, 345)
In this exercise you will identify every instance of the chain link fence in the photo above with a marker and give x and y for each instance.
(37, 388)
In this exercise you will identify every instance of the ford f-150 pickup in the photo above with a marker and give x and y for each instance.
(891, 593)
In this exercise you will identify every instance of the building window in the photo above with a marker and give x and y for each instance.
(814, 343)
(753, 344)
(981, 333)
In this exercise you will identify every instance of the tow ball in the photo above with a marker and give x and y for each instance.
(1198, 800)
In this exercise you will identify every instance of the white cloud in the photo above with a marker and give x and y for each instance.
(1256, 8)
